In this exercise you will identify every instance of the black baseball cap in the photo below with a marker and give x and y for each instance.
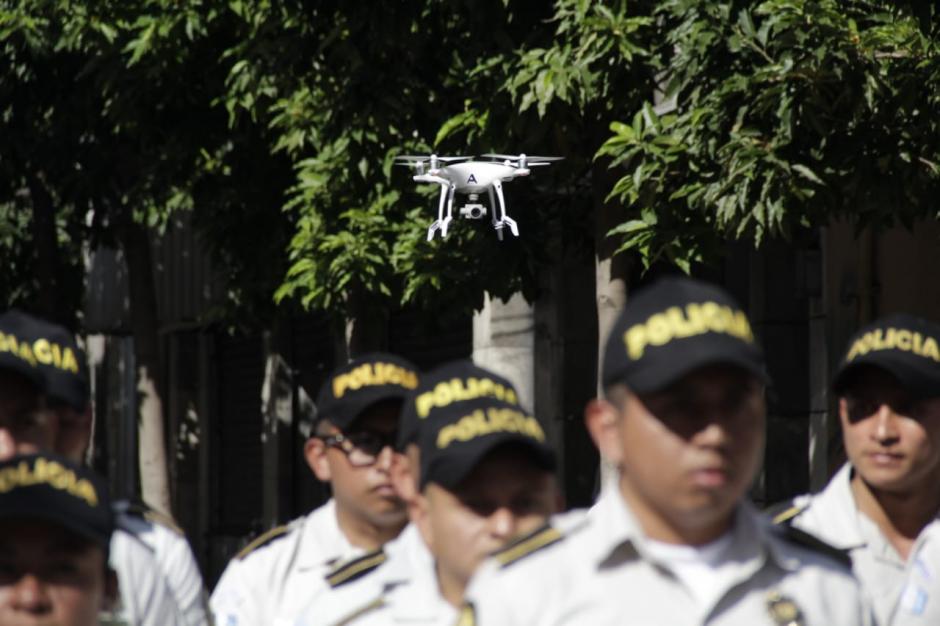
(452, 381)
(460, 426)
(364, 381)
(61, 362)
(674, 326)
(51, 488)
(906, 346)
(16, 350)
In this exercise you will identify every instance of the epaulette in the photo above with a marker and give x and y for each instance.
(356, 568)
(525, 545)
(140, 509)
(263, 540)
(784, 512)
(810, 542)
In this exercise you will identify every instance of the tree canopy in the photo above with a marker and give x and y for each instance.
(276, 124)
(786, 114)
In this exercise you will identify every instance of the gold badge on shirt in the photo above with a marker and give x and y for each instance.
(783, 610)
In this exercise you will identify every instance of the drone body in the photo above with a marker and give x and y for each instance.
(460, 175)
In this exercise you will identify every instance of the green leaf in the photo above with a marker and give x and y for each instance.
(807, 173)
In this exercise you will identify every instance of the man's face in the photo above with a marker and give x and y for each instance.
(26, 426)
(892, 442)
(73, 433)
(365, 490)
(688, 453)
(506, 495)
(50, 576)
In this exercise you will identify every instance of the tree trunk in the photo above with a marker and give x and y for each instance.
(612, 271)
(611, 277)
(364, 329)
(45, 242)
(154, 471)
(277, 410)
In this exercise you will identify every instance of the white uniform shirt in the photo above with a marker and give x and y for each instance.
(403, 590)
(175, 561)
(272, 584)
(601, 572)
(146, 598)
(901, 593)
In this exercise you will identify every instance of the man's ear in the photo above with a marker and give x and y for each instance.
(559, 500)
(74, 433)
(844, 413)
(111, 590)
(601, 418)
(403, 478)
(315, 453)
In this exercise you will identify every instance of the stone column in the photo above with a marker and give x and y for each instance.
(504, 341)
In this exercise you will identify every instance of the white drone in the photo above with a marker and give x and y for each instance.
(460, 174)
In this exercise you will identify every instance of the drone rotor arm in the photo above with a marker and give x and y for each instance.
(410, 159)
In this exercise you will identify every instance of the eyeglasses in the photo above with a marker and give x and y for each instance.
(27, 424)
(361, 448)
(863, 405)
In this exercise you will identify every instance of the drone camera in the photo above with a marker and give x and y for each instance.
(473, 211)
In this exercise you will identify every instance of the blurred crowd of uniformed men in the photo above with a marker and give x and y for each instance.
(445, 506)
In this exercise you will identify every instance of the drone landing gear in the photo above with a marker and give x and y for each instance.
(506, 221)
(499, 223)
(439, 225)
(445, 210)
(442, 223)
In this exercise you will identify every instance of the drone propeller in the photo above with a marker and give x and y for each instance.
(413, 158)
(531, 159)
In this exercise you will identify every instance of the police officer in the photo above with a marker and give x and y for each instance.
(674, 541)
(55, 531)
(351, 448)
(484, 475)
(158, 577)
(883, 506)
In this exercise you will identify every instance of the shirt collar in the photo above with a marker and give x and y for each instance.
(618, 537)
(613, 527)
(410, 580)
(407, 555)
(322, 542)
(835, 508)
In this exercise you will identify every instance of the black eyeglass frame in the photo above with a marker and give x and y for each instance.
(348, 446)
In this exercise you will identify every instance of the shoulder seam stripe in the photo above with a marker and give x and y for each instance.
(785, 516)
(261, 540)
(542, 539)
(155, 517)
(341, 566)
(520, 539)
(356, 567)
(815, 544)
